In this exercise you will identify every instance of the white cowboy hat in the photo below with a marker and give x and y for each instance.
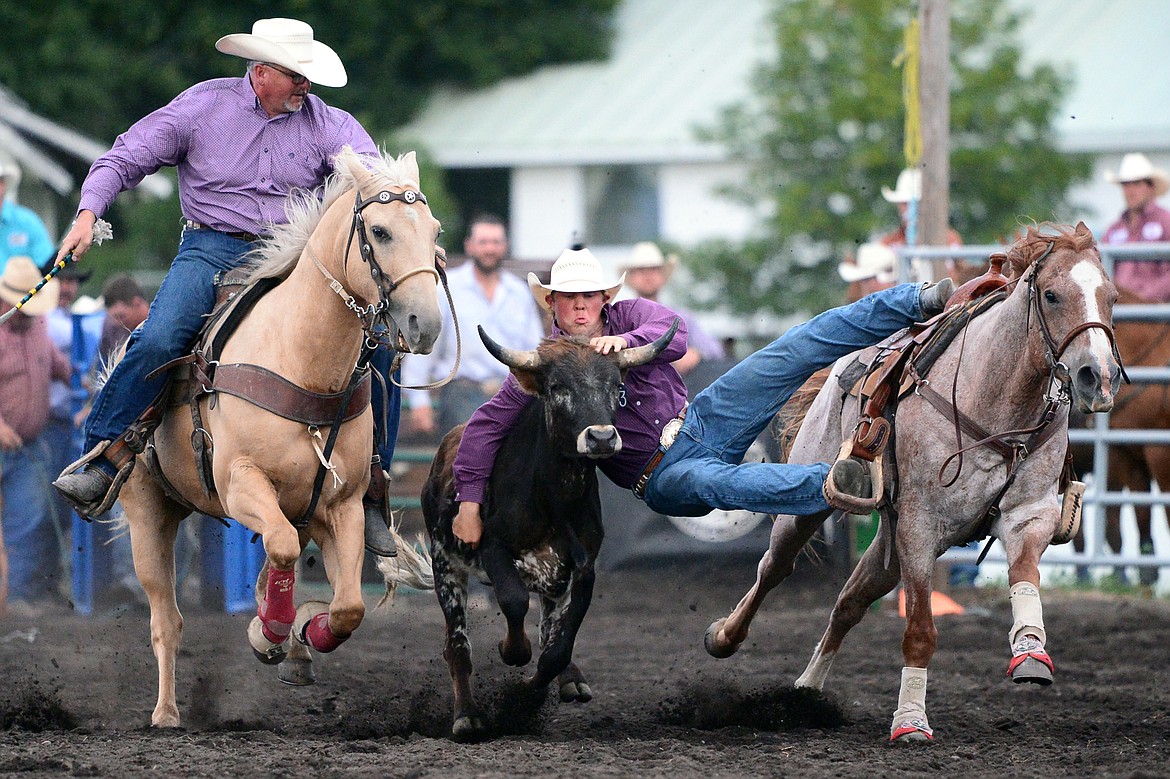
(288, 43)
(874, 261)
(576, 270)
(909, 187)
(1137, 167)
(21, 275)
(646, 254)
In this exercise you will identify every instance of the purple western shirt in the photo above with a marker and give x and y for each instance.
(1148, 278)
(654, 394)
(236, 165)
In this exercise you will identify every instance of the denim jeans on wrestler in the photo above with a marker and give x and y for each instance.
(186, 296)
(703, 470)
(30, 534)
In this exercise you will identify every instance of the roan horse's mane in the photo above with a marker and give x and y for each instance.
(1033, 245)
(304, 209)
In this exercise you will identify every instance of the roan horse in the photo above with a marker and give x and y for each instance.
(542, 515)
(363, 254)
(1009, 370)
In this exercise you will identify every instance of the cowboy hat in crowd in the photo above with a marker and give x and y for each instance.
(1137, 167)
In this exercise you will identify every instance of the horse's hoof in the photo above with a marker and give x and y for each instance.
(914, 731)
(266, 651)
(576, 691)
(297, 671)
(1031, 671)
(518, 658)
(467, 728)
(711, 641)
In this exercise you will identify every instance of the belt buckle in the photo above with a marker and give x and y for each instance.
(669, 433)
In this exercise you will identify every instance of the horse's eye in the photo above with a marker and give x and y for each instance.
(1050, 296)
(381, 234)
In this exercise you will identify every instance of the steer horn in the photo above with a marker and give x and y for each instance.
(516, 359)
(640, 355)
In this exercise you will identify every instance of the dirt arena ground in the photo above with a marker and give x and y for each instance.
(78, 694)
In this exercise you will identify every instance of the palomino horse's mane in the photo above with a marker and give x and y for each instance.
(304, 209)
(1034, 244)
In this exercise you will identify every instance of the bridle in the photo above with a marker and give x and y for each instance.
(1058, 371)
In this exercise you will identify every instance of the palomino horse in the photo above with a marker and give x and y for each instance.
(1138, 407)
(1011, 373)
(362, 256)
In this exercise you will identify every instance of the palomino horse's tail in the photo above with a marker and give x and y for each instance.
(791, 415)
(412, 567)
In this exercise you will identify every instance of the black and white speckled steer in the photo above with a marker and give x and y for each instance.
(541, 512)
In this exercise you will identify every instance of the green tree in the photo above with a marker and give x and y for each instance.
(825, 130)
(97, 66)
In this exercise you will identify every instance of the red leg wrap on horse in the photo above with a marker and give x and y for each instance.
(319, 636)
(277, 611)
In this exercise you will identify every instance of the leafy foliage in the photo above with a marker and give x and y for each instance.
(825, 131)
(97, 66)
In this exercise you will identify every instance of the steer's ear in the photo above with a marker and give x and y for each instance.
(527, 378)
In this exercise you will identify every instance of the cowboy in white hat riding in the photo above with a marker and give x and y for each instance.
(1143, 220)
(240, 145)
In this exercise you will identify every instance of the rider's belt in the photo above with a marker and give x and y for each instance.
(191, 224)
(669, 433)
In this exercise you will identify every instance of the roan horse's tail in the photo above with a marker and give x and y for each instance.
(412, 567)
(791, 415)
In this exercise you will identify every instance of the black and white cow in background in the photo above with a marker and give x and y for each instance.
(541, 513)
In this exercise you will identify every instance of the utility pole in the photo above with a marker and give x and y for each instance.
(934, 19)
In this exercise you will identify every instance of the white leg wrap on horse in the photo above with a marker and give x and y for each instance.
(911, 713)
(1027, 613)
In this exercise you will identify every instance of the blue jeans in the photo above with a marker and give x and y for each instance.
(185, 298)
(30, 534)
(704, 469)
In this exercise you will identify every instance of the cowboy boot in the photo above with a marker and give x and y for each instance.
(934, 296)
(848, 485)
(379, 541)
(91, 484)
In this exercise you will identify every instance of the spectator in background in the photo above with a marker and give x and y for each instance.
(909, 188)
(485, 295)
(28, 362)
(22, 233)
(647, 271)
(1143, 220)
(126, 309)
(874, 269)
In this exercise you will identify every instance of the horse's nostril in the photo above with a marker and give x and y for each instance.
(413, 329)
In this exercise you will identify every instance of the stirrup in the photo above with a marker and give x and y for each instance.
(852, 503)
(106, 502)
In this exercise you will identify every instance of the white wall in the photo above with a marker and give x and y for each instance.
(690, 208)
(547, 208)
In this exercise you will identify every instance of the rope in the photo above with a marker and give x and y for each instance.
(908, 59)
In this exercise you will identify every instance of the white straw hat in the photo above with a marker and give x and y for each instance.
(288, 43)
(874, 261)
(10, 173)
(576, 270)
(1137, 167)
(21, 276)
(646, 254)
(909, 187)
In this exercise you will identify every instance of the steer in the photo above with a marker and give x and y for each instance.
(541, 512)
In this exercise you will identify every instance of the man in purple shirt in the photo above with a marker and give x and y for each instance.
(240, 145)
(702, 465)
(1142, 221)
